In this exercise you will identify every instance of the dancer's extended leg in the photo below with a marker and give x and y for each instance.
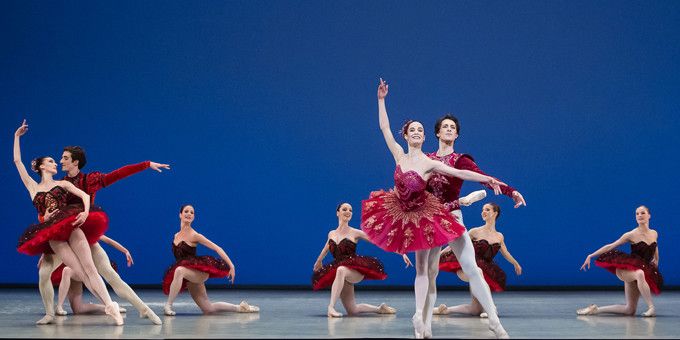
(122, 289)
(200, 296)
(347, 297)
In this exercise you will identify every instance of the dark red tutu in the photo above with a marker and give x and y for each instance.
(397, 228)
(370, 267)
(493, 274)
(616, 259)
(35, 239)
(57, 273)
(216, 268)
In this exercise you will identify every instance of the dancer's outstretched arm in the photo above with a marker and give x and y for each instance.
(28, 181)
(466, 175)
(467, 163)
(507, 256)
(118, 247)
(623, 239)
(319, 260)
(204, 241)
(396, 149)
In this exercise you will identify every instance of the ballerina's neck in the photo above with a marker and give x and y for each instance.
(185, 226)
(643, 226)
(343, 226)
(46, 178)
(490, 226)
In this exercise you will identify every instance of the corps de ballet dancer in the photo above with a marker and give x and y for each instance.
(348, 268)
(70, 229)
(73, 160)
(639, 270)
(63, 278)
(409, 218)
(487, 242)
(191, 271)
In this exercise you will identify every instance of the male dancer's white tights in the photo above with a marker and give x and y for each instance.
(103, 265)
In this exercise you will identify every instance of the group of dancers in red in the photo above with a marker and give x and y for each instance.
(420, 214)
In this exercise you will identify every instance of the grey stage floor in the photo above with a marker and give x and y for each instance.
(301, 314)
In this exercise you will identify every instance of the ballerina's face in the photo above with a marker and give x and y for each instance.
(448, 131)
(49, 165)
(415, 134)
(187, 214)
(488, 214)
(642, 215)
(345, 212)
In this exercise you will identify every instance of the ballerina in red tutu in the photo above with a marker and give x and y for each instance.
(70, 229)
(409, 218)
(191, 271)
(348, 268)
(639, 270)
(487, 243)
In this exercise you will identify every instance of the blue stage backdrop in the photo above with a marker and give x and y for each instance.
(267, 113)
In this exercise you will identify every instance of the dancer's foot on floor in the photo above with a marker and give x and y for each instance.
(332, 313)
(498, 330)
(114, 311)
(45, 320)
(441, 310)
(650, 313)
(385, 309)
(149, 313)
(244, 307)
(59, 310)
(167, 310)
(590, 310)
(418, 325)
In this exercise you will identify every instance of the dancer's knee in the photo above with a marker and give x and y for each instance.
(639, 275)
(180, 273)
(341, 272)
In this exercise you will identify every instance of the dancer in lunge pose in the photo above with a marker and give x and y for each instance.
(409, 218)
(191, 271)
(70, 229)
(447, 189)
(348, 268)
(487, 243)
(73, 160)
(639, 270)
(73, 289)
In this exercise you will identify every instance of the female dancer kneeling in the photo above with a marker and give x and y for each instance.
(347, 268)
(638, 270)
(487, 242)
(191, 271)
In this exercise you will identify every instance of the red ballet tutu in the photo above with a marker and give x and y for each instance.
(493, 274)
(370, 267)
(616, 259)
(57, 273)
(215, 268)
(395, 227)
(35, 239)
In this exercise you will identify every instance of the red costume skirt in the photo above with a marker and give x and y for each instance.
(56, 274)
(395, 228)
(493, 274)
(370, 267)
(616, 259)
(35, 239)
(215, 268)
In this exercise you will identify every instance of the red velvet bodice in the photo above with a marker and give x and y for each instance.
(50, 200)
(183, 250)
(342, 250)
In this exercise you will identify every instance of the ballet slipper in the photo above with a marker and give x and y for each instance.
(483, 315)
(498, 329)
(418, 325)
(60, 311)
(45, 320)
(244, 307)
(113, 311)
(167, 309)
(650, 313)
(441, 310)
(149, 313)
(332, 313)
(122, 310)
(590, 310)
(385, 309)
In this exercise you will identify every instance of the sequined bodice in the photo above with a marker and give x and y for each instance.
(342, 250)
(183, 250)
(410, 188)
(644, 250)
(50, 200)
(484, 250)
